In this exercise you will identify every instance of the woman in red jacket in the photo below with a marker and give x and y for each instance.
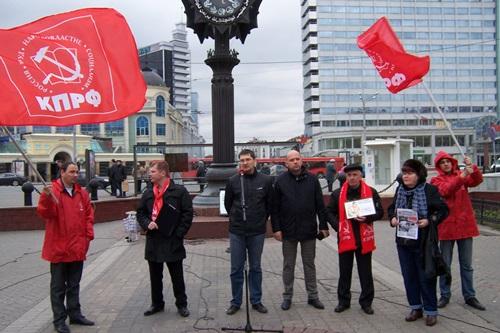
(69, 218)
(460, 226)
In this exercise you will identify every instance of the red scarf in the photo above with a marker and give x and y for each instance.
(347, 241)
(158, 195)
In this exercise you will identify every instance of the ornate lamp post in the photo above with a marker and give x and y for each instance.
(221, 20)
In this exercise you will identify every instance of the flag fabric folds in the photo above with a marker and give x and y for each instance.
(398, 69)
(71, 68)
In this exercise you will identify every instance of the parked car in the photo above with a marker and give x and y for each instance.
(13, 179)
(102, 181)
(277, 169)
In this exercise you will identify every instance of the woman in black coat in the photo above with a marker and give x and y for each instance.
(419, 277)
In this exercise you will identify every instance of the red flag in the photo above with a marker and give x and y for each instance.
(70, 68)
(400, 70)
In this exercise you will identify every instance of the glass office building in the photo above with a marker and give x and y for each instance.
(345, 100)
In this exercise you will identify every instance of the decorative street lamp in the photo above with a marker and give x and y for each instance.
(363, 139)
(221, 20)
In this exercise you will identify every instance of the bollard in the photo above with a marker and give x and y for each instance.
(93, 186)
(28, 189)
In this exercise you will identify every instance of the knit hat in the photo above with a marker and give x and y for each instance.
(417, 167)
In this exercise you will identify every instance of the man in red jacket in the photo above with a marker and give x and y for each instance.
(460, 225)
(69, 220)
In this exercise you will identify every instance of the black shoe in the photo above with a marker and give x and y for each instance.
(287, 303)
(259, 307)
(475, 303)
(232, 310)
(341, 308)
(368, 309)
(431, 320)
(81, 320)
(316, 303)
(152, 310)
(62, 328)
(443, 301)
(184, 312)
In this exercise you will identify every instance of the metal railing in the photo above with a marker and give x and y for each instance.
(486, 211)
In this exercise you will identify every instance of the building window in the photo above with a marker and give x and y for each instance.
(64, 129)
(160, 106)
(90, 129)
(142, 125)
(161, 129)
(114, 128)
(41, 129)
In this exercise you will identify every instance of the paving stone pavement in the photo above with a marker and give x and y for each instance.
(115, 293)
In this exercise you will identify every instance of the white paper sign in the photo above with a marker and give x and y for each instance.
(358, 208)
(222, 208)
(408, 227)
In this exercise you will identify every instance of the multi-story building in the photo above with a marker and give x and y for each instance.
(346, 102)
(172, 61)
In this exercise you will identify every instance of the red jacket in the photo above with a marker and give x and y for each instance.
(461, 222)
(69, 224)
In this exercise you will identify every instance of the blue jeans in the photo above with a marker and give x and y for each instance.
(420, 291)
(466, 270)
(239, 246)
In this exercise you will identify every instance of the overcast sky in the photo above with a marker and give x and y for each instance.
(268, 97)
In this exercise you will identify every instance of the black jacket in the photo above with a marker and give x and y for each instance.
(166, 244)
(298, 201)
(437, 211)
(353, 194)
(258, 191)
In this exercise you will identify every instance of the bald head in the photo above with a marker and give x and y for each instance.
(294, 162)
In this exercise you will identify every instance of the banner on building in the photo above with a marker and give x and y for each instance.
(71, 68)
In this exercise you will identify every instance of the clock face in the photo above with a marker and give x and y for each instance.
(221, 11)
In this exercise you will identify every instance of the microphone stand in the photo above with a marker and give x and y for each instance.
(248, 326)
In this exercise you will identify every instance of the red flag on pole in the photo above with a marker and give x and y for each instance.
(70, 68)
(399, 69)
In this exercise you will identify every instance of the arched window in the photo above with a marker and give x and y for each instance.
(142, 125)
(160, 106)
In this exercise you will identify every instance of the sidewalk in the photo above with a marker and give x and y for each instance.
(115, 293)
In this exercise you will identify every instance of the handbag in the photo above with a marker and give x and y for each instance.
(435, 264)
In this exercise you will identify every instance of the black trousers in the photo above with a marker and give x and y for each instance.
(364, 262)
(177, 277)
(65, 282)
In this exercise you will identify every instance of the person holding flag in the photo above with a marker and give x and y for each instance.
(69, 227)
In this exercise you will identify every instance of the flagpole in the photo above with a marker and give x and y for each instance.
(444, 118)
(28, 160)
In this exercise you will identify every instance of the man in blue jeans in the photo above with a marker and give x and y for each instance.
(248, 202)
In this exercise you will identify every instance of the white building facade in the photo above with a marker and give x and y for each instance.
(346, 102)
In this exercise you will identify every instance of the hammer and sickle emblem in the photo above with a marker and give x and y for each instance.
(74, 73)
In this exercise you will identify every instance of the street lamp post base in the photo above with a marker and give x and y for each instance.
(217, 176)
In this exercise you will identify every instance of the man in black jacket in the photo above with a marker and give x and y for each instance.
(298, 200)
(355, 237)
(166, 212)
(248, 203)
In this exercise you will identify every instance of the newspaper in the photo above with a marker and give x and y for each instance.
(408, 227)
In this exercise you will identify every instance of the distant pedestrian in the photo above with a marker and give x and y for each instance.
(356, 238)
(69, 218)
(119, 174)
(111, 177)
(331, 172)
(140, 175)
(460, 226)
(166, 213)
(297, 205)
(248, 202)
(423, 199)
(201, 173)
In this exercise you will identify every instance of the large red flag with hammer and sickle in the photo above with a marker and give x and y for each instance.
(70, 68)
(398, 69)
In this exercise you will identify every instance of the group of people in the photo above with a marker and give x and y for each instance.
(441, 209)
(117, 175)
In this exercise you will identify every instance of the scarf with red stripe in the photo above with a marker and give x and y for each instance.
(347, 240)
(158, 195)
